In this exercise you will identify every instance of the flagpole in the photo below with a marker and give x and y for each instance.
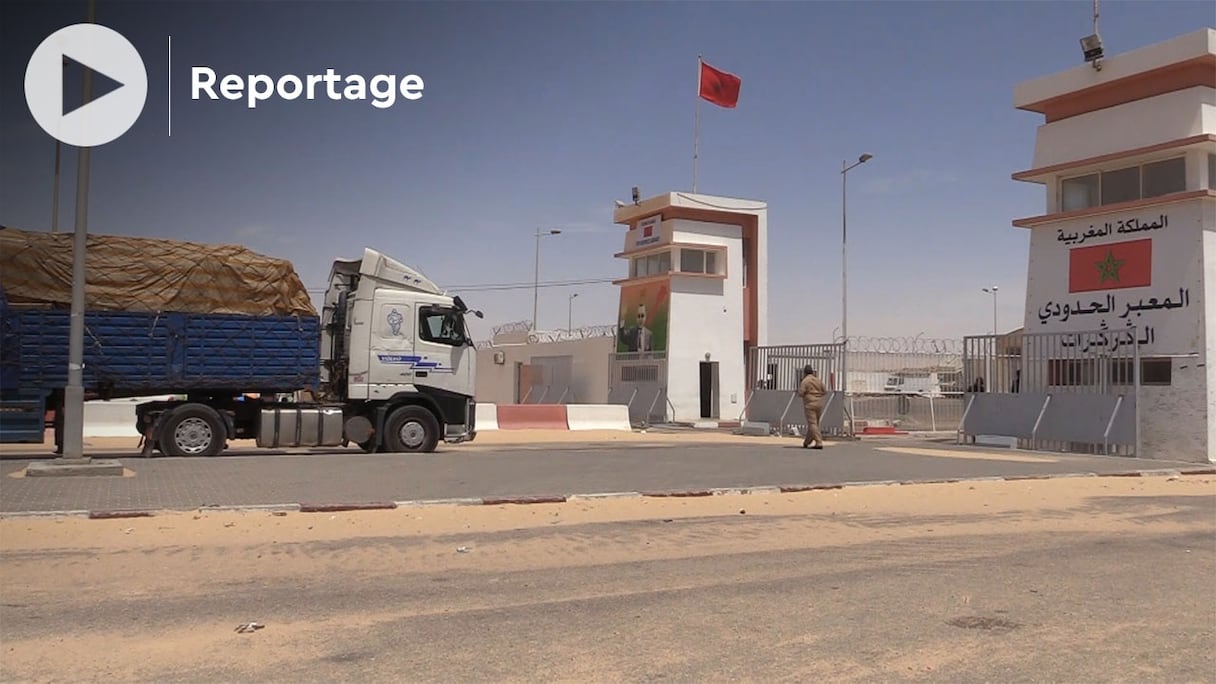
(696, 127)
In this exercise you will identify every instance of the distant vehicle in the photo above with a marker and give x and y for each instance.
(911, 383)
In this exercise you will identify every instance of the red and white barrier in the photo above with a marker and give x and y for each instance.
(492, 417)
(532, 417)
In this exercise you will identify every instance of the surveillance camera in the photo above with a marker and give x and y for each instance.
(619, 204)
(1091, 46)
(637, 195)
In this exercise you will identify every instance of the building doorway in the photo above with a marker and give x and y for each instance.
(709, 389)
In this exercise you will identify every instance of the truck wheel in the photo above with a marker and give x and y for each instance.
(411, 428)
(193, 430)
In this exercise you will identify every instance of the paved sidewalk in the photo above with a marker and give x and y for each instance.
(257, 478)
(129, 446)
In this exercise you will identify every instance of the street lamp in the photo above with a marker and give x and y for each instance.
(992, 290)
(536, 281)
(995, 338)
(73, 393)
(570, 312)
(844, 265)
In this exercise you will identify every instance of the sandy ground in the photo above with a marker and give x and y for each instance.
(158, 598)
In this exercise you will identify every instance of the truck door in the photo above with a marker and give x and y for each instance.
(441, 348)
(391, 359)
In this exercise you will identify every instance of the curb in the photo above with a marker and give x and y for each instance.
(334, 508)
(794, 489)
(522, 500)
(678, 494)
(438, 502)
(606, 495)
(113, 515)
(528, 500)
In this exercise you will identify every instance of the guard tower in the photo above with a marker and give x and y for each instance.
(1127, 156)
(693, 303)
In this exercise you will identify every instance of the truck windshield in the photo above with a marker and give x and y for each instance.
(442, 325)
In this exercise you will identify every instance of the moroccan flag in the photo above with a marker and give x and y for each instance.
(1111, 267)
(719, 87)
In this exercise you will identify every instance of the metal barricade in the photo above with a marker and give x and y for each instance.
(1074, 392)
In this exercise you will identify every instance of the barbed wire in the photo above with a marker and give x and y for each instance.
(583, 333)
(513, 326)
(906, 345)
(547, 336)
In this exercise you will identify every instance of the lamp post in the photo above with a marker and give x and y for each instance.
(55, 187)
(845, 167)
(536, 281)
(995, 337)
(570, 312)
(992, 291)
(73, 394)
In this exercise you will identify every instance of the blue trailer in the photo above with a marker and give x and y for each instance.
(211, 357)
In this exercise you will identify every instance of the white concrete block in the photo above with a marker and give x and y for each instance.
(598, 417)
(486, 417)
(110, 418)
(996, 441)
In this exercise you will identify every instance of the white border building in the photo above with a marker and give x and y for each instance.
(1127, 156)
(706, 258)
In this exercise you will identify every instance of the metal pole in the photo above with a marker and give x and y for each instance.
(73, 395)
(55, 190)
(844, 274)
(696, 127)
(995, 329)
(570, 313)
(536, 282)
(988, 365)
(996, 345)
(844, 278)
(1136, 381)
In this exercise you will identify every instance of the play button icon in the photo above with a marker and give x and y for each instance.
(120, 85)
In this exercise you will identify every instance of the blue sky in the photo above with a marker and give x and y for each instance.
(541, 114)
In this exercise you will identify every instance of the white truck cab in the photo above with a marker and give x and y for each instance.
(392, 339)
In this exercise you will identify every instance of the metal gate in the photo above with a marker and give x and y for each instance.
(639, 381)
(551, 380)
(773, 376)
(1072, 392)
(910, 383)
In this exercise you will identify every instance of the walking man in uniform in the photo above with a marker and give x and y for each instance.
(812, 391)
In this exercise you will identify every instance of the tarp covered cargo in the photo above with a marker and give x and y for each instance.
(146, 274)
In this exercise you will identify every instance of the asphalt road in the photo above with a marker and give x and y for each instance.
(1113, 587)
(259, 478)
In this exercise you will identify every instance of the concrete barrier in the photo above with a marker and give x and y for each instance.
(110, 418)
(486, 417)
(532, 417)
(598, 417)
(114, 417)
